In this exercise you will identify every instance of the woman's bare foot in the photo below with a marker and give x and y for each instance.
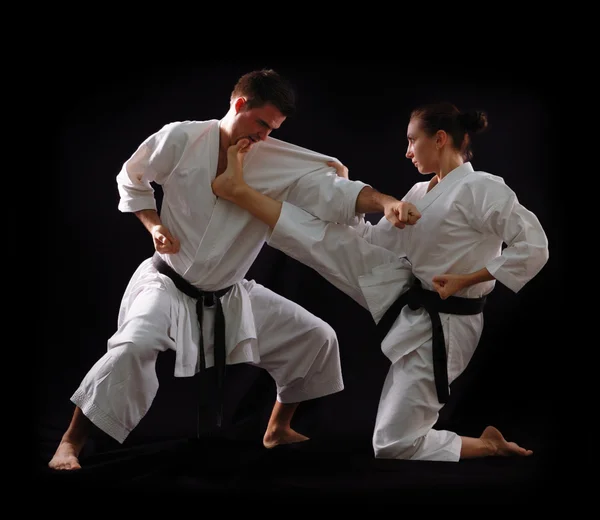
(499, 446)
(274, 438)
(66, 456)
(228, 184)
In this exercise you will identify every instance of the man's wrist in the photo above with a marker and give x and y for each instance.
(370, 200)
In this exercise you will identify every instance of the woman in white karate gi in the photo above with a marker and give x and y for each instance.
(212, 243)
(448, 236)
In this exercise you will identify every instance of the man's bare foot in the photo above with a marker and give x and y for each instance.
(228, 184)
(65, 457)
(283, 436)
(499, 446)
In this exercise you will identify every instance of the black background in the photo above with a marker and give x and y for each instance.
(357, 111)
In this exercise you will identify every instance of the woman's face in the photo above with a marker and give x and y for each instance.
(421, 149)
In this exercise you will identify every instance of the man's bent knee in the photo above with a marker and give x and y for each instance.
(325, 336)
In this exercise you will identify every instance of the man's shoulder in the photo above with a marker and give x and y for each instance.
(189, 128)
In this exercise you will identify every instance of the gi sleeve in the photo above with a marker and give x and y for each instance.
(526, 250)
(153, 161)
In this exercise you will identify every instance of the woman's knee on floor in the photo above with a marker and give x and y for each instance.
(403, 448)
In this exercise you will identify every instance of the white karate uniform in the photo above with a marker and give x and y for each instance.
(219, 242)
(465, 220)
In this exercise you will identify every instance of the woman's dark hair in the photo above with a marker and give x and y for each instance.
(264, 86)
(458, 125)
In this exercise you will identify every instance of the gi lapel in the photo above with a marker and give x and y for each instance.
(444, 186)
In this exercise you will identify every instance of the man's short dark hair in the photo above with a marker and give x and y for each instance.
(264, 86)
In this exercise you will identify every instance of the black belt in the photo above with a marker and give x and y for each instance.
(417, 297)
(203, 299)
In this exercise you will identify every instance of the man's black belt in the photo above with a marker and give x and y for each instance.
(417, 297)
(203, 299)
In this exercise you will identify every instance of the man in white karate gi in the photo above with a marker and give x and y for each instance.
(204, 248)
(424, 284)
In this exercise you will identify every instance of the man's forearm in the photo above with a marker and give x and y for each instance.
(149, 218)
(370, 200)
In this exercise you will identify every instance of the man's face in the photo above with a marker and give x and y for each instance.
(256, 123)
